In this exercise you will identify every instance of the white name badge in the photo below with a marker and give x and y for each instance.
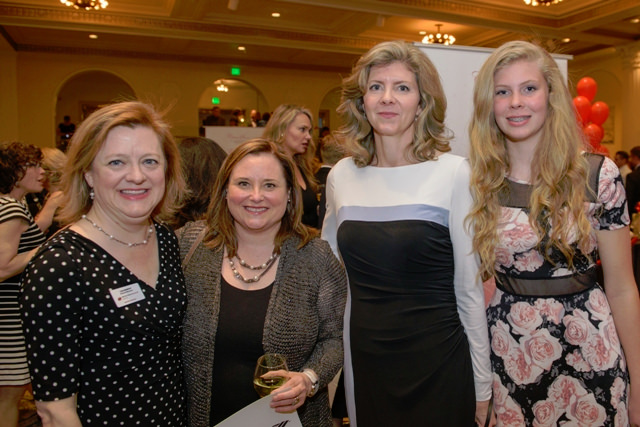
(127, 295)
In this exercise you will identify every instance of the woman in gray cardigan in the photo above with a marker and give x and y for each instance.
(259, 281)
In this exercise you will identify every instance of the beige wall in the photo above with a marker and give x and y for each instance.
(30, 84)
(8, 92)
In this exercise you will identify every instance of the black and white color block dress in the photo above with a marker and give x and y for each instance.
(416, 341)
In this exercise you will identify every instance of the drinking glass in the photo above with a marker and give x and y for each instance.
(267, 363)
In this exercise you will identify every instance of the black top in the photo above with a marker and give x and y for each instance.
(238, 347)
(309, 205)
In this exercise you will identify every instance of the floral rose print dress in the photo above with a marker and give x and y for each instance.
(555, 352)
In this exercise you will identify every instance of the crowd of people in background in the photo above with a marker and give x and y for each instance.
(142, 277)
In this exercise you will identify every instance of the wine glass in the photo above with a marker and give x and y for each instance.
(266, 363)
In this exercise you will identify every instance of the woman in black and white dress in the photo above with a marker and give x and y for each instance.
(20, 174)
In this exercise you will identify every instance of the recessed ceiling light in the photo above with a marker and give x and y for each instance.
(634, 20)
(276, 14)
(422, 33)
(242, 48)
(566, 40)
(93, 36)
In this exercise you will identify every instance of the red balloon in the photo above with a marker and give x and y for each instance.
(599, 112)
(587, 87)
(583, 108)
(601, 149)
(595, 134)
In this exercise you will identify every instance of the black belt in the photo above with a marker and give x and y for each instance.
(551, 286)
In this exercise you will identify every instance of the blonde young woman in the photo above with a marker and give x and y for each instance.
(416, 341)
(290, 127)
(544, 212)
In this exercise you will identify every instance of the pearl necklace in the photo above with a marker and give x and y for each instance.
(266, 266)
(115, 239)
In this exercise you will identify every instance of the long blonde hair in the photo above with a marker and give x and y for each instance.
(430, 135)
(558, 170)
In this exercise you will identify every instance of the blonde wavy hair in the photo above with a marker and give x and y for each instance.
(558, 170)
(430, 135)
(276, 130)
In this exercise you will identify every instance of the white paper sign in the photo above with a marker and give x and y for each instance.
(260, 414)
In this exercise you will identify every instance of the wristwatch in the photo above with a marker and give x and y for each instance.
(315, 384)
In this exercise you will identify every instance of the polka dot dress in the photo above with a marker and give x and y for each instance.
(124, 363)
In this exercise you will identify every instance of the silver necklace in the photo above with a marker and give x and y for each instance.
(259, 267)
(264, 267)
(115, 239)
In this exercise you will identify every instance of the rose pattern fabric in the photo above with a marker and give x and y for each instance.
(557, 360)
(517, 253)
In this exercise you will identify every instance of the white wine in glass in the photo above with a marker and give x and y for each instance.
(266, 363)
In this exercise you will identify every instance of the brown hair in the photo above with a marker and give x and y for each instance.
(201, 161)
(221, 230)
(15, 157)
(87, 141)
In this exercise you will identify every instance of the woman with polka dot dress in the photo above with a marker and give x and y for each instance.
(103, 300)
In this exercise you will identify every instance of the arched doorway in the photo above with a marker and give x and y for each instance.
(235, 98)
(86, 91)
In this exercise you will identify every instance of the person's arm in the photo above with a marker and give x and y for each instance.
(622, 294)
(52, 301)
(469, 291)
(327, 356)
(12, 263)
(44, 219)
(59, 413)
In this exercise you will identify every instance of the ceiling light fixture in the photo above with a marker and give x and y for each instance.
(439, 38)
(541, 2)
(275, 15)
(220, 86)
(86, 4)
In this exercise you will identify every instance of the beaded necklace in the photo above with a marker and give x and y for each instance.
(115, 239)
(266, 266)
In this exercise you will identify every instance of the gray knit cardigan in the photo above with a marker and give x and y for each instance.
(304, 320)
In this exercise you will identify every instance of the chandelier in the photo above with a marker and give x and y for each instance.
(86, 4)
(220, 86)
(541, 2)
(440, 38)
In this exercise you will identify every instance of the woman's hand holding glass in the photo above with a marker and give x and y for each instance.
(288, 389)
(270, 373)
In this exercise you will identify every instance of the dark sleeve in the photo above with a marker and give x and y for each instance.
(327, 356)
(632, 189)
(51, 308)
